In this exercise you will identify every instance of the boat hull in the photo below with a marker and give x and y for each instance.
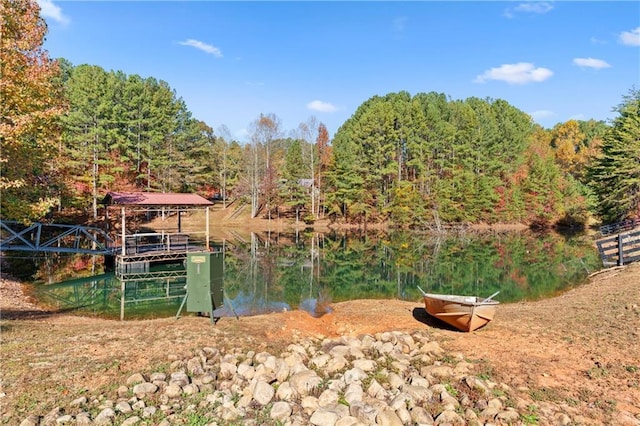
(466, 313)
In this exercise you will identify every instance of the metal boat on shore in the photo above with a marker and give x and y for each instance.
(466, 313)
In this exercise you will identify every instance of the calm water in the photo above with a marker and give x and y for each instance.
(275, 272)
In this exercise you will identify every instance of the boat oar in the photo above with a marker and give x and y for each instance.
(423, 292)
(490, 297)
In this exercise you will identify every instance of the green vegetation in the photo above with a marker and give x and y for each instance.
(532, 417)
(76, 132)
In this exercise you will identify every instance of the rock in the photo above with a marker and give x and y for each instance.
(432, 348)
(328, 397)
(67, 419)
(138, 405)
(395, 381)
(157, 377)
(122, 391)
(173, 391)
(388, 417)
(263, 392)
(354, 375)
(437, 371)
(227, 370)
(563, 420)
(366, 412)
(354, 393)
(282, 371)
(449, 417)
(280, 411)
(509, 416)
(143, 389)
(404, 415)
(78, 401)
(305, 382)
(349, 421)
(375, 390)
(134, 379)
(191, 389)
(319, 361)
(105, 417)
(309, 404)
(194, 366)
(324, 418)
(285, 392)
(179, 378)
(31, 420)
(335, 364)
(51, 417)
(123, 407)
(149, 412)
(246, 371)
(83, 419)
(329, 415)
(131, 421)
(365, 365)
(418, 393)
(421, 416)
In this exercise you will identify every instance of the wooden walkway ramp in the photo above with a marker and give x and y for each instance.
(619, 249)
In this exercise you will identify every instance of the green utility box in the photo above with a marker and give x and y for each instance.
(204, 282)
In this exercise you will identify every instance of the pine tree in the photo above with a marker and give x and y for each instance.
(615, 174)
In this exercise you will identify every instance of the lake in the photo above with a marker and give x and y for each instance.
(308, 270)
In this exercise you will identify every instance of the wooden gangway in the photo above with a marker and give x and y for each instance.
(619, 249)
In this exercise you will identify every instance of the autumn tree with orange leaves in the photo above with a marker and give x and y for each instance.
(32, 101)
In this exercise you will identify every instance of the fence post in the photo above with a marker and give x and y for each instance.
(620, 251)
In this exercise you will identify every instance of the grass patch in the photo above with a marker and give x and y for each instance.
(531, 417)
(597, 372)
(545, 394)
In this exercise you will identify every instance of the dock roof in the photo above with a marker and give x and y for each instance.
(155, 199)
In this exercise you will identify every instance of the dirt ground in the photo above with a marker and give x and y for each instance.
(580, 350)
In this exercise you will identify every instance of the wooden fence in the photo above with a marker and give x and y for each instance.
(625, 225)
(619, 249)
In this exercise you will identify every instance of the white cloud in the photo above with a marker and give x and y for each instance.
(208, 48)
(50, 10)
(520, 73)
(630, 38)
(321, 106)
(542, 114)
(595, 40)
(591, 63)
(529, 7)
(399, 24)
(534, 7)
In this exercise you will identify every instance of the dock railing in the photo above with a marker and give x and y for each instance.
(619, 249)
(152, 242)
(625, 225)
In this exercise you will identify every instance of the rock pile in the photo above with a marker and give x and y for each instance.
(390, 379)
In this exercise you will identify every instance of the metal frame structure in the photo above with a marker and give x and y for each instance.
(59, 238)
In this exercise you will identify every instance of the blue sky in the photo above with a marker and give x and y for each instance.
(232, 61)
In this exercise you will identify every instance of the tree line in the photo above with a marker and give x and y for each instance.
(71, 133)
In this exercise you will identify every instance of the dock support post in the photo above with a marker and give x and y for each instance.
(122, 289)
(620, 250)
(206, 232)
(124, 231)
